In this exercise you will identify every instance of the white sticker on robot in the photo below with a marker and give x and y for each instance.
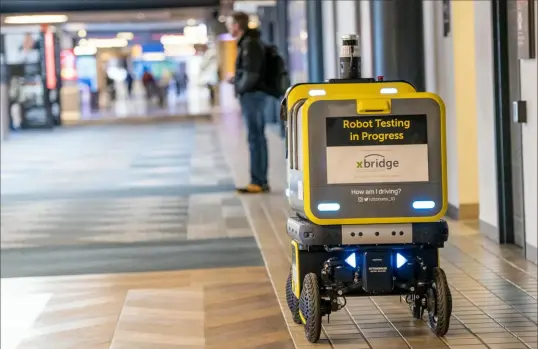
(300, 190)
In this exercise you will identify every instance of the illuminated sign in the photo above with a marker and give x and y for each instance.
(68, 65)
(377, 149)
(50, 63)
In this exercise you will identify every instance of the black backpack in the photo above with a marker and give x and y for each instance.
(276, 76)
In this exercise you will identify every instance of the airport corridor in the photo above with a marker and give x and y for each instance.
(132, 237)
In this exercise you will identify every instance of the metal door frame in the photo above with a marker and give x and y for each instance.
(514, 81)
(501, 82)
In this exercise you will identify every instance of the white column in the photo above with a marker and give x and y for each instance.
(330, 56)
(366, 39)
(4, 112)
(485, 113)
(431, 26)
(456, 83)
(529, 93)
(346, 18)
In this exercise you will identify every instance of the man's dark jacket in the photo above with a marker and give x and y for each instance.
(249, 65)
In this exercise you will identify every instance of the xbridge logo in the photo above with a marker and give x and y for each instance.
(377, 161)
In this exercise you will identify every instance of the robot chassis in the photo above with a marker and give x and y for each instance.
(326, 269)
(329, 276)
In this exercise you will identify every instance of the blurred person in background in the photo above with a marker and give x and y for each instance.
(164, 85)
(150, 85)
(129, 82)
(181, 80)
(111, 88)
(249, 83)
(209, 72)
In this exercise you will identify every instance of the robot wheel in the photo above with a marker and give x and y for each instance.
(293, 302)
(439, 303)
(310, 307)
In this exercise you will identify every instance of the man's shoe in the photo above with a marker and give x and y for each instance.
(254, 189)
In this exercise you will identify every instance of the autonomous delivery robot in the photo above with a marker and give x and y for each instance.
(367, 182)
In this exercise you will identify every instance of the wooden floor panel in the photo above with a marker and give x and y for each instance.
(244, 316)
(161, 318)
(212, 308)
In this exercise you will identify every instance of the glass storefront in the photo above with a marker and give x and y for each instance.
(30, 64)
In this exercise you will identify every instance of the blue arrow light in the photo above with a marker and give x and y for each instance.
(400, 260)
(352, 260)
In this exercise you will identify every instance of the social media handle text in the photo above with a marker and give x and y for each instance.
(376, 195)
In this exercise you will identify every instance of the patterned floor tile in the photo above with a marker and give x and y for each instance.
(139, 157)
(216, 216)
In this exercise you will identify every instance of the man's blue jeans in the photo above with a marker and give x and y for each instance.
(253, 106)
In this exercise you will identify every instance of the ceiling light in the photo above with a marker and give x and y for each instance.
(82, 33)
(84, 50)
(36, 19)
(126, 35)
(154, 56)
(173, 40)
(179, 51)
(108, 43)
(103, 43)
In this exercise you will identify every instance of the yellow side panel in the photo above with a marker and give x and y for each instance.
(295, 276)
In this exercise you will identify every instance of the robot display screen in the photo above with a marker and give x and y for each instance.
(377, 149)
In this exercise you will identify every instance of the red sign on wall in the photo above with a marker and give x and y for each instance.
(68, 65)
(50, 64)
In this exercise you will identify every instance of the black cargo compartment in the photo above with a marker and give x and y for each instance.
(377, 272)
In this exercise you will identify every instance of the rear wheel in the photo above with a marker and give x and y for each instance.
(293, 302)
(439, 303)
(310, 307)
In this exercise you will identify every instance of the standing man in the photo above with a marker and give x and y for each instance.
(249, 82)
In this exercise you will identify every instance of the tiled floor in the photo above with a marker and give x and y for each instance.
(494, 289)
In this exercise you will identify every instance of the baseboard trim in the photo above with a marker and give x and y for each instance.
(452, 211)
(463, 212)
(490, 231)
(531, 253)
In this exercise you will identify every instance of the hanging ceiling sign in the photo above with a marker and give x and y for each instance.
(18, 6)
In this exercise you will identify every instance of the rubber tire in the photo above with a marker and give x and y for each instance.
(293, 302)
(443, 304)
(310, 306)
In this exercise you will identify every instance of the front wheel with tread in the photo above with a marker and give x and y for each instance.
(310, 307)
(440, 310)
(293, 302)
